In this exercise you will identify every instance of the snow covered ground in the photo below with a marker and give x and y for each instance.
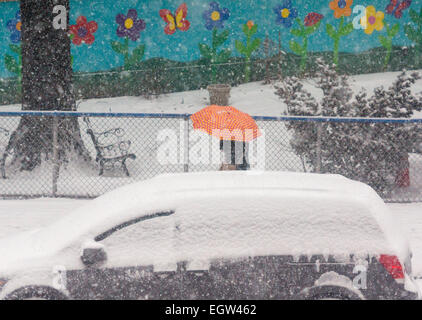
(253, 98)
(21, 215)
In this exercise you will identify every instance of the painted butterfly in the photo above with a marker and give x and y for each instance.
(177, 20)
(397, 8)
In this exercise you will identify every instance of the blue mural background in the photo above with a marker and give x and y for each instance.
(183, 46)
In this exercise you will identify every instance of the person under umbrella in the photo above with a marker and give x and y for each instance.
(235, 155)
(234, 128)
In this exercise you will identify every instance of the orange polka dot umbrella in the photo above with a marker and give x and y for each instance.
(226, 123)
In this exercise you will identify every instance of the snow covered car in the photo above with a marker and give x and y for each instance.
(217, 235)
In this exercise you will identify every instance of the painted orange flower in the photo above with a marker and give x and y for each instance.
(342, 8)
(250, 24)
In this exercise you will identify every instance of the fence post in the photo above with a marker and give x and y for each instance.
(318, 148)
(56, 166)
(186, 145)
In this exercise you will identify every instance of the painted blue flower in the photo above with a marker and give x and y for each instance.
(215, 16)
(286, 14)
(15, 26)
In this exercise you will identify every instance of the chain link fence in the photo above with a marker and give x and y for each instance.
(119, 149)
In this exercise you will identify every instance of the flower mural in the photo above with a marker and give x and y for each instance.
(372, 20)
(83, 31)
(341, 8)
(218, 22)
(129, 25)
(285, 14)
(215, 16)
(15, 27)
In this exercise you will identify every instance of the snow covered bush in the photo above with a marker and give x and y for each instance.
(374, 153)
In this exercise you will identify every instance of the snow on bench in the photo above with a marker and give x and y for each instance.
(110, 154)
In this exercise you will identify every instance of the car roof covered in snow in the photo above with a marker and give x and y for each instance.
(249, 179)
(231, 213)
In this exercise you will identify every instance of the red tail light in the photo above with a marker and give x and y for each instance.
(392, 265)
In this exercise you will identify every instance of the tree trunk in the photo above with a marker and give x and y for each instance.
(46, 85)
(46, 62)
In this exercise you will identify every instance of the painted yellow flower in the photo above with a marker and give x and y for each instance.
(373, 20)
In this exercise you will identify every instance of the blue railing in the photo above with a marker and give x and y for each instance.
(187, 115)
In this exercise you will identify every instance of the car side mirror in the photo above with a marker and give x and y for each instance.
(93, 253)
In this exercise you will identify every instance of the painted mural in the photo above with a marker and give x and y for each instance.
(117, 35)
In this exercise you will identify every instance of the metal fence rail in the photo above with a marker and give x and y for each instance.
(128, 147)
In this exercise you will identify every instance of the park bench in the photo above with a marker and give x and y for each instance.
(110, 154)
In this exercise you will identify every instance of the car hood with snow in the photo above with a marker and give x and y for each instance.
(224, 215)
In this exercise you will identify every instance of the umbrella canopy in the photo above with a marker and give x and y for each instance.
(226, 123)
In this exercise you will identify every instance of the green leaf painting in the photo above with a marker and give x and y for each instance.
(12, 63)
(387, 41)
(336, 34)
(130, 59)
(304, 31)
(246, 49)
(212, 54)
